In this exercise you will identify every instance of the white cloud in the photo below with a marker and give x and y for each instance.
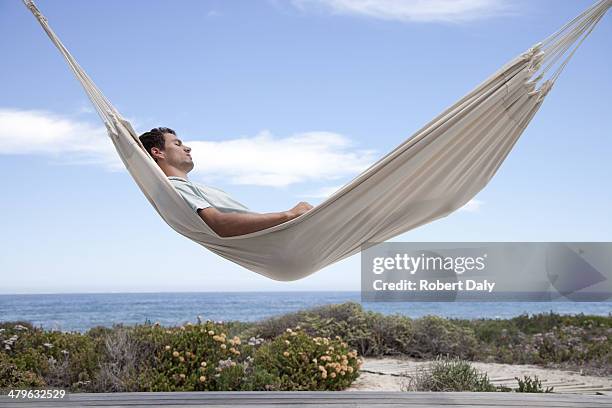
(270, 161)
(44, 133)
(262, 160)
(411, 10)
(472, 206)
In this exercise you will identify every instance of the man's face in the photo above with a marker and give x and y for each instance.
(176, 154)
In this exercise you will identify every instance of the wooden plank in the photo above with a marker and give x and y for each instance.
(276, 405)
(319, 399)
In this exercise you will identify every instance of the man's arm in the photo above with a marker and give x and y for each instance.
(233, 224)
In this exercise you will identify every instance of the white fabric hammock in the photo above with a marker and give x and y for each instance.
(437, 170)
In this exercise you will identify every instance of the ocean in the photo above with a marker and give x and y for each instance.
(80, 312)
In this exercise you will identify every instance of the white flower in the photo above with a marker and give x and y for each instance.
(225, 363)
(255, 341)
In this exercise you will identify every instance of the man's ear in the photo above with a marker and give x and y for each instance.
(157, 153)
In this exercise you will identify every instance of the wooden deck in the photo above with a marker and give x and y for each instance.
(319, 399)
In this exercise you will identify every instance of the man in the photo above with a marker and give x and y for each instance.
(226, 216)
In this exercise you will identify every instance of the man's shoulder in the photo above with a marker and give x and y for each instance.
(181, 183)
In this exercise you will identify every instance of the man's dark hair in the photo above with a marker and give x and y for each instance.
(155, 138)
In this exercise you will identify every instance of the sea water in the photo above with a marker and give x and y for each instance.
(80, 312)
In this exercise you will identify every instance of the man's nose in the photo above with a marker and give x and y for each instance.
(187, 149)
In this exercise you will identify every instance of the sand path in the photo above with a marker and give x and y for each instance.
(388, 374)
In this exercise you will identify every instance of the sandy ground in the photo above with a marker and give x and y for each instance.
(388, 374)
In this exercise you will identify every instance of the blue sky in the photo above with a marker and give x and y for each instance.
(296, 97)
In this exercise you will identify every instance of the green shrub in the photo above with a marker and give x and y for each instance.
(574, 342)
(12, 377)
(192, 358)
(68, 360)
(528, 384)
(434, 336)
(202, 357)
(386, 335)
(371, 333)
(302, 363)
(448, 375)
(314, 321)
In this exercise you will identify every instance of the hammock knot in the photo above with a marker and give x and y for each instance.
(545, 88)
(111, 114)
(530, 53)
(542, 91)
(111, 130)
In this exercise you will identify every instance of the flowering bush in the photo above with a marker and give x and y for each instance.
(576, 342)
(301, 362)
(194, 357)
(54, 358)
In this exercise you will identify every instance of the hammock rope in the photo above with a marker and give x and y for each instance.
(574, 32)
(428, 176)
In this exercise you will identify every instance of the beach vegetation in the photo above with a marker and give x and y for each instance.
(59, 359)
(450, 375)
(205, 356)
(528, 384)
(577, 342)
(292, 352)
(304, 363)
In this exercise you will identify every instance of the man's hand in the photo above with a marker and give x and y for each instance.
(301, 208)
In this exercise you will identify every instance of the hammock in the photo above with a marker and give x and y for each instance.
(431, 174)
